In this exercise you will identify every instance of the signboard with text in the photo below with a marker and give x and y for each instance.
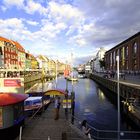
(12, 82)
(12, 85)
(67, 103)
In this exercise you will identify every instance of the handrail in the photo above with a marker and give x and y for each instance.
(107, 134)
(34, 114)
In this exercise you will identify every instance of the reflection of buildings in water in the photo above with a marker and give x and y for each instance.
(87, 86)
(101, 94)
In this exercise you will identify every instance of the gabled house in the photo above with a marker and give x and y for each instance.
(9, 57)
(21, 55)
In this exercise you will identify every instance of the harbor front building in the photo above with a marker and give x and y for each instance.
(129, 56)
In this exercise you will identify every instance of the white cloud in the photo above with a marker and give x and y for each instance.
(50, 29)
(30, 7)
(33, 7)
(81, 42)
(65, 12)
(14, 29)
(34, 23)
(18, 3)
(12, 23)
(3, 8)
(83, 23)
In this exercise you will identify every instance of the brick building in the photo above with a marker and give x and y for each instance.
(129, 55)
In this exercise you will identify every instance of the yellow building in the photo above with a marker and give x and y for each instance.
(34, 62)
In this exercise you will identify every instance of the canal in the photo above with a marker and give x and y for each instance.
(96, 105)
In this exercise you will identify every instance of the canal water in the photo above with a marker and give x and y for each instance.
(96, 105)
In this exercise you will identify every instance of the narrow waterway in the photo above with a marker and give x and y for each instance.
(93, 105)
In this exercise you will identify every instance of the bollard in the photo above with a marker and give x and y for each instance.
(20, 133)
(64, 136)
(49, 138)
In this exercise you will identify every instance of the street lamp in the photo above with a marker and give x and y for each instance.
(118, 92)
(72, 92)
(56, 75)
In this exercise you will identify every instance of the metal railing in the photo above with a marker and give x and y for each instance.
(106, 134)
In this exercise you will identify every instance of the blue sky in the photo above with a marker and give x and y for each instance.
(56, 28)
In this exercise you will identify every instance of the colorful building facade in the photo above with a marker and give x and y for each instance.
(9, 57)
(21, 56)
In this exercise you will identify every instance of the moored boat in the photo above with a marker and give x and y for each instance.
(74, 79)
(35, 104)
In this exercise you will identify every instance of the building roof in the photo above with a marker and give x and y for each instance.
(6, 40)
(55, 92)
(41, 57)
(11, 98)
(123, 42)
(19, 47)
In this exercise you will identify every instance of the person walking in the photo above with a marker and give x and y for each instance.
(57, 107)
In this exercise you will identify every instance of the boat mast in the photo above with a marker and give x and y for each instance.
(72, 69)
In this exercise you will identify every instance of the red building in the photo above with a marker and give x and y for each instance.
(129, 55)
(10, 57)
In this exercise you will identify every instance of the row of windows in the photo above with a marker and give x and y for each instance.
(11, 62)
(7, 55)
(11, 50)
(124, 64)
(123, 53)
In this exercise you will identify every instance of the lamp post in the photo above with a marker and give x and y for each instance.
(118, 92)
(72, 92)
(56, 75)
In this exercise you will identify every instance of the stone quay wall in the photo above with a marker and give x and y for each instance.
(126, 90)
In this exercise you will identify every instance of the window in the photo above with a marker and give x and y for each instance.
(114, 57)
(135, 61)
(122, 56)
(111, 59)
(126, 51)
(135, 48)
(118, 52)
(127, 65)
(1, 53)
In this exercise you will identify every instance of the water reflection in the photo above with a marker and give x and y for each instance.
(92, 104)
(100, 94)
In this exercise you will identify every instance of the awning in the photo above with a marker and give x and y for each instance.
(11, 98)
(55, 92)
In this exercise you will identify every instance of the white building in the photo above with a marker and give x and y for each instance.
(96, 62)
(43, 62)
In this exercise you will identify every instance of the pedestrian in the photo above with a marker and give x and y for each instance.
(85, 129)
(57, 107)
(59, 103)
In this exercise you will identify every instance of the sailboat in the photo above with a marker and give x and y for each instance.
(66, 72)
(71, 76)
